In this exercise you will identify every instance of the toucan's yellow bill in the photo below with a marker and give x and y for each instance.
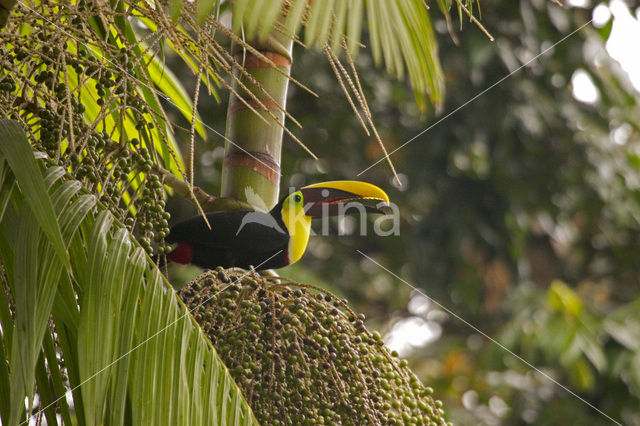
(359, 189)
(327, 198)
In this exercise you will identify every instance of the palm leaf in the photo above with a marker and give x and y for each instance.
(168, 82)
(400, 33)
(130, 348)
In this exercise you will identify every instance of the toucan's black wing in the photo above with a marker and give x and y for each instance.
(230, 229)
(236, 238)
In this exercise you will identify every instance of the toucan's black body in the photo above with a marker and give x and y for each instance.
(264, 240)
(237, 238)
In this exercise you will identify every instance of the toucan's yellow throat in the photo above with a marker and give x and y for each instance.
(298, 225)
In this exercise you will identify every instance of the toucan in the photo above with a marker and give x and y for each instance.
(265, 240)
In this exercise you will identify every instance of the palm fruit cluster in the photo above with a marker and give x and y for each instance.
(50, 77)
(301, 356)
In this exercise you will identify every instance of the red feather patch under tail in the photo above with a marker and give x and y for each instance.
(182, 254)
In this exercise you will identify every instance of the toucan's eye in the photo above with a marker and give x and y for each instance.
(297, 198)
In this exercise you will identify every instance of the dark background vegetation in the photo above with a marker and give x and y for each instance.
(519, 214)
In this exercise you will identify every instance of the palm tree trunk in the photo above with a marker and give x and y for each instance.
(253, 147)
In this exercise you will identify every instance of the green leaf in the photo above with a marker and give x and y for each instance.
(562, 298)
(59, 390)
(240, 7)
(605, 31)
(445, 7)
(268, 17)
(338, 27)
(17, 151)
(94, 342)
(354, 25)
(6, 185)
(324, 20)
(175, 8)
(293, 22)
(204, 8)
(315, 24)
(127, 317)
(261, 15)
(169, 84)
(581, 374)
(6, 321)
(593, 351)
(45, 392)
(34, 289)
(623, 325)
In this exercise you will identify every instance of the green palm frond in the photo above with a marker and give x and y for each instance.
(77, 286)
(400, 33)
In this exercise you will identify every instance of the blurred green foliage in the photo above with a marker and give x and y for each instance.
(520, 214)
